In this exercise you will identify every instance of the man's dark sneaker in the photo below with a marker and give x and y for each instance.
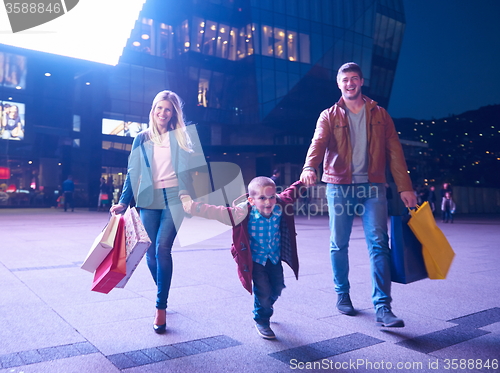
(388, 319)
(265, 331)
(344, 304)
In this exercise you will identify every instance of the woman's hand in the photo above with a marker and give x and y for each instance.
(118, 209)
(187, 202)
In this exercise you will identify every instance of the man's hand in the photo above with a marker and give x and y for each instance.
(187, 202)
(409, 198)
(308, 177)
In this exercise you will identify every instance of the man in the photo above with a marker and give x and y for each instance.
(68, 187)
(357, 139)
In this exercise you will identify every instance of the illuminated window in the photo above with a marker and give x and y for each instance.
(197, 32)
(141, 37)
(223, 41)
(279, 43)
(210, 38)
(233, 43)
(267, 41)
(184, 36)
(292, 46)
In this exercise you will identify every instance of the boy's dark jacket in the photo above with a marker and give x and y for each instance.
(238, 216)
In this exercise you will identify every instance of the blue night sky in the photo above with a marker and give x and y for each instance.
(450, 58)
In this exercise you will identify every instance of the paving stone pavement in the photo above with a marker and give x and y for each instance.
(50, 321)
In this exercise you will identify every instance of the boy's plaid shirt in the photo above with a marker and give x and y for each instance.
(265, 235)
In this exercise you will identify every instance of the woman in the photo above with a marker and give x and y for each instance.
(158, 178)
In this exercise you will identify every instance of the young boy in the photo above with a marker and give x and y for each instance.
(263, 236)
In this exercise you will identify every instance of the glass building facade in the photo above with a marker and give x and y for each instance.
(254, 75)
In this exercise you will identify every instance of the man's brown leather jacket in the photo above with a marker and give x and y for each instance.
(331, 143)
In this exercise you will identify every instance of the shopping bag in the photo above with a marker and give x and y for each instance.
(407, 262)
(102, 245)
(436, 249)
(114, 267)
(137, 242)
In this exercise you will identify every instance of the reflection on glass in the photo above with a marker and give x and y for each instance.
(13, 70)
(77, 123)
(203, 92)
(11, 120)
(166, 41)
(122, 128)
(305, 49)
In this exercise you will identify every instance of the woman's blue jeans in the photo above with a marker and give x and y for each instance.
(368, 201)
(162, 226)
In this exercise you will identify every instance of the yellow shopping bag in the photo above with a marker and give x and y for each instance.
(436, 249)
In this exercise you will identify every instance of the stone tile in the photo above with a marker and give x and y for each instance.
(188, 348)
(479, 319)
(444, 338)
(122, 361)
(85, 348)
(322, 349)
(10, 360)
(155, 354)
(31, 357)
(138, 357)
(220, 341)
(171, 351)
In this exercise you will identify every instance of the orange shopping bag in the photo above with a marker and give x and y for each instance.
(436, 249)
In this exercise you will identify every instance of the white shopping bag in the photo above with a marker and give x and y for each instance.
(137, 242)
(102, 245)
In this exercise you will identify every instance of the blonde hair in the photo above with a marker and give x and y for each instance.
(259, 182)
(176, 123)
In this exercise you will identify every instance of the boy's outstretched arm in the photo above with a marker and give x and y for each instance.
(293, 192)
(227, 215)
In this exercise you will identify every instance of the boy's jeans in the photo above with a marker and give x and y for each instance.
(368, 201)
(161, 228)
(268, 282)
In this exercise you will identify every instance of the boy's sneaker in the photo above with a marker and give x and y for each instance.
(388, 319)
(265, 331)
(344, 304)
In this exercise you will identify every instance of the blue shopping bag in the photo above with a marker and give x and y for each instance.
(407, 262)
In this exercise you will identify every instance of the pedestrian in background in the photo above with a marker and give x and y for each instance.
(448, 207)
(68, 187)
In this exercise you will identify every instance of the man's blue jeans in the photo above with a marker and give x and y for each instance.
(368, 201)
(268, 282)
(161, 226)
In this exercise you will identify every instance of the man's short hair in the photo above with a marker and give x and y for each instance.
(258, 183)
(350, 67)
